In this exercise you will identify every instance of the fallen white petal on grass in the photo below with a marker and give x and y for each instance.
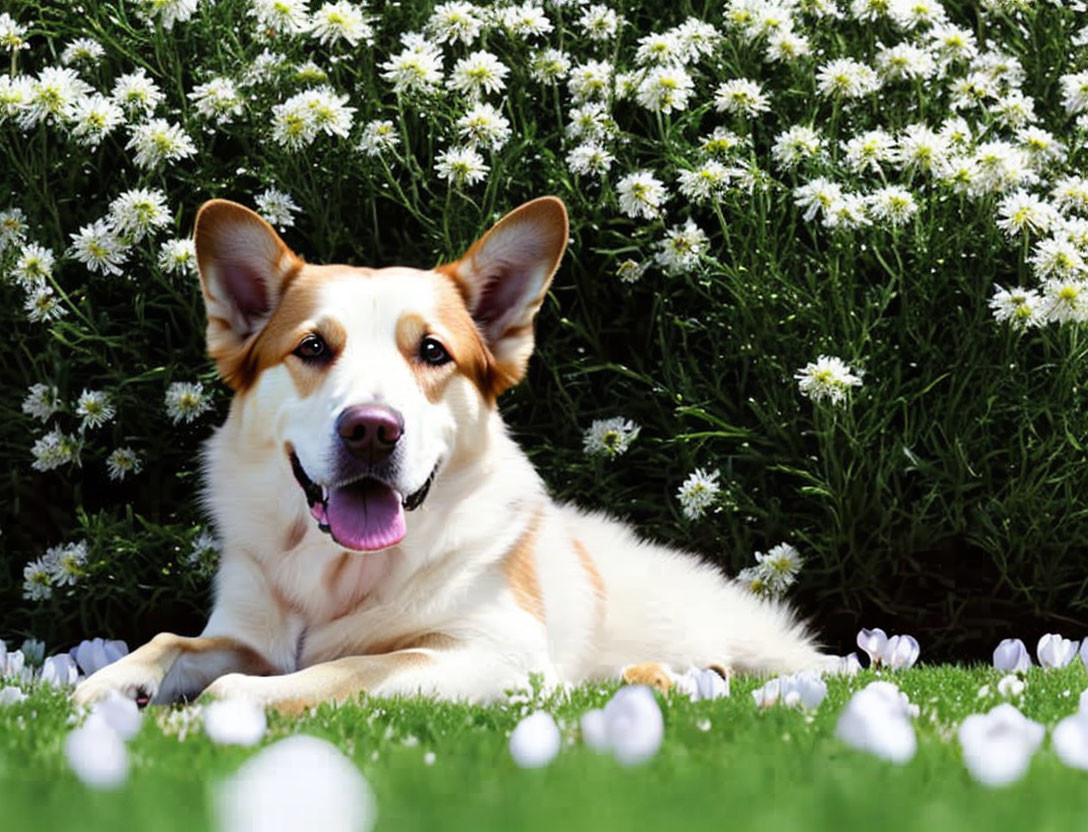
(1010, 686)
(1069, 739)
(116, 713)
(535, 741)
(1011, 656)
(805, 689)
(299, 783)
(1054, 651)
(235, 722)
(701, 683)
(877, 720)
(97, 755)
(998, 746)
(11, 695)
(594, 729)
(634, 724)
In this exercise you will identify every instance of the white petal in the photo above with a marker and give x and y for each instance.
(97, 756)
(117, 713)
(768, 695)
(998, 746)
(635, 726)
(1069, 739)
(901, 652)
(709, 684)
(11, 695)
(875, 720)
(1011, 656)
(91, 656)
(872, 642)
(1010, 686)
(235, 722)
(1084, 653)
(60, 671)
(595, 729)
(535, 741)
(298, 783)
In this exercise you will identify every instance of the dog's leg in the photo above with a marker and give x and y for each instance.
(171, 666)
(454, 673)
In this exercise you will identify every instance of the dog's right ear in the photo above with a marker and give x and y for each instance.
(244, 267)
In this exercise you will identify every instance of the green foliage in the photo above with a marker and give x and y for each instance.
(944, 497)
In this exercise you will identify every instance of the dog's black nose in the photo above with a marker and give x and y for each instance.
(370, 431)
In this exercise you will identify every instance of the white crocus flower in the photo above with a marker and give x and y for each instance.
(235, 722)
(60, 671)
(97, 755)
(900, 652)
(93, 654)
(116, 713)
(1011, 656)
(634, 723)
(301, 782)
(1055, 651)
(1084, 654)
(11, 695)
(872, 643)
(805, 689)
(877, 720)
(594, 730)
(998, 746)
(535, 741)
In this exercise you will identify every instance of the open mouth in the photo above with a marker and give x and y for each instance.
(365, 514)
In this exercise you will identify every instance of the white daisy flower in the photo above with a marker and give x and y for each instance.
(95, 408)
(277, 208)
(338, 21)
(122, 462)
(478, 74)
(720, 142)
(1021, 308)
(905, 62)
(1014, 109)
(665, 89)
(33, 266)
(631, 271)
(549, 66)
(1070, 193)
(461, 166)
(217, 100)
(826, 378)
(136, 213)
(136, 94)
(37, 585)
(178, 256)
(166, 12)
(785, 46)
(1042, 147)
(484, 125)
(641, 195)
(1024, 213)
(741, 96)
(682, 248)
(1075, 92)
(98, 247)
(911, 14)
(53, 450)
(796, 144)
(1058, 257)
(590, 158)
(41, 305)
(817, 196)
(698, 493)
(82, 51)
(204, 552)
(847, 213)
(697, 39)
(1001, 167)
(42, 401)
(780, 566)
(953, 43)
(869, 151)
(1065, 300)
(609, 437)
(417, 68)
(265, 67)
(919, 148)
(893, 204)
(378, 137)
(708, 181)
(599, 22)
(12, 34)
(455, 23)
(65, 563)
(15, 96)
(590, 80)
(158, 141)
(185, 401)
(51, 97)
(589, 122)
(659, 49)
(94, 117)
(13, 228)
(525, 21)
(846, 78)
(280, 17)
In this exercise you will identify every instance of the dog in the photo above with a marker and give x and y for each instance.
(381, 532)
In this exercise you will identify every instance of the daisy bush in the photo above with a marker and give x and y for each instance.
(824, 297)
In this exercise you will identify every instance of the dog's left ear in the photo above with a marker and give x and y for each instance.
(504, 277)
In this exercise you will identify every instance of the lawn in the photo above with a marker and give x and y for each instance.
(723, 764)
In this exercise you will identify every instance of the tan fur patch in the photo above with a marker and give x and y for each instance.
(591, 569)
(343, 679)
(648, 673)
(433, 641)
(250, 661)
(520, 571)
(295, 533)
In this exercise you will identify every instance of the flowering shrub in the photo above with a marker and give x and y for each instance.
(826, 281)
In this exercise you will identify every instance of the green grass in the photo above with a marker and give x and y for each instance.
(776, 769)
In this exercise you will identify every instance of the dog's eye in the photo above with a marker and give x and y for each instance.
(432, 352)
(313, 346)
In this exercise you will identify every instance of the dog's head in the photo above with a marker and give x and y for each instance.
(371, 380)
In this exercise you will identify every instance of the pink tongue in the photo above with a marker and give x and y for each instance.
(366, 516)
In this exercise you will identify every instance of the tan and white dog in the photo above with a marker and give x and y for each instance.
(380, 530)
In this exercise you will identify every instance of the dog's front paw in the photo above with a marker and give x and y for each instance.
(238, 686)
(132, 680)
